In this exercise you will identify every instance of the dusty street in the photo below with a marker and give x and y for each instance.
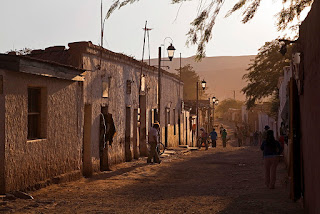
(215, 181)
(220, 180)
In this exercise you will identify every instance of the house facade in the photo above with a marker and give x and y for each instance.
(41, 120)
(112, 85)
(205, 120)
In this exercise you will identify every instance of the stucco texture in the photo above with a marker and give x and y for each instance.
(117, 72)
(30, 162)
(117, 101)
(116, 69)
(309, 103)
(2, 134)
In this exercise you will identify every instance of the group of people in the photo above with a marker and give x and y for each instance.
(270, 147)
(213, 136)
(241, 134)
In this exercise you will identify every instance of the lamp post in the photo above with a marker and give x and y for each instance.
(215, 101)
(170, 50)
(203, 85)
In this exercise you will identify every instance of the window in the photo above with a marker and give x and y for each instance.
(155, 115)
(34, 113)
(143, 83)
(129, 86)
(105, 89)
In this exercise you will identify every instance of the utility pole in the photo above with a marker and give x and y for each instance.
(180, 104)
(101, 28)
(197, 112)
(146, 33)
(209, 118)
(101, 42)
(234, 94)
(159, 84)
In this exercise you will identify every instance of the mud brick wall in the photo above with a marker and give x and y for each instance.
(117, 69)
(28, 162)
(2, 134)
(116, 75)
(310, 107)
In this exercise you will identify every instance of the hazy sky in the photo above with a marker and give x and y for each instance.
(41, 23)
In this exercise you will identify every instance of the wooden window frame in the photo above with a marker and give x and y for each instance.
(34, 113)
(129, 86)
(37, 108)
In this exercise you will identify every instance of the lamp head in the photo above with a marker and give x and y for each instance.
(214, 99)
(203, 84)
(170, 50)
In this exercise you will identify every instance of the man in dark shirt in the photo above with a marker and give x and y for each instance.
(271, 151)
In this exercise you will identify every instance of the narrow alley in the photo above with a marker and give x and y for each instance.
(220, 180)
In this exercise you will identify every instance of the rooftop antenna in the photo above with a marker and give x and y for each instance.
(146, 31)
(101, 42)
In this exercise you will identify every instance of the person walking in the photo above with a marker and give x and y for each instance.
(255, 138)
(264, 134)
(239, 136)
(213, 135)
(224, 137)
(271, 151)
(153, 138)
(204, 138)
(221, 129)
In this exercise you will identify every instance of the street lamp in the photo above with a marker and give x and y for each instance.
(215, 101)
(170, 50)
(203, 85)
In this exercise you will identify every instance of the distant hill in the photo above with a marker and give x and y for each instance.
(223, 74)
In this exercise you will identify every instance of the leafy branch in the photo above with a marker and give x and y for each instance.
(200, 32)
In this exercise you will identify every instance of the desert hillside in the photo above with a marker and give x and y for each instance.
(223, 74)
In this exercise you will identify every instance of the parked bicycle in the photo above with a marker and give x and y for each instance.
(160, 148)
(202, 142)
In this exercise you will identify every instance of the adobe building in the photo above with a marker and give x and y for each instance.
(41, 120)
(112, 85)
(189, 122)
(305, 111)
(205, 113)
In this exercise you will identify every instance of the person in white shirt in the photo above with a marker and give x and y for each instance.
(153, 137)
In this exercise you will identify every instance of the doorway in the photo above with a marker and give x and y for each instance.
(128, 153)
(143, 126)
(186, 130)
(86, 158)
(103, 144)
(167, 121)
(135, 135)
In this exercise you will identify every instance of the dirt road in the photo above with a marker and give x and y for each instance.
(220, 180)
